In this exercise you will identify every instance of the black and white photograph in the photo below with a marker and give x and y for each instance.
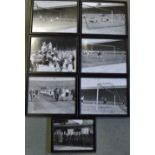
(54, 16)
(51, 95)
(53, 54)
(103, 96)
(104, 56)
(104, 18)
(73, 135)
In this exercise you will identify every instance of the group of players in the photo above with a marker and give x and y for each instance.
(104, 100)
(57, 94)
(76, 139)
(50, 58)
(60, 94)
(97, 53)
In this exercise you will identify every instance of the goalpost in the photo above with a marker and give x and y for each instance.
(114, 93)
(38, 9)
(112, 48)
(56, 15)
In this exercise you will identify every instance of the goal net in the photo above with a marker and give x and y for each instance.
(115, 99)
(110, 49)
(103, 49)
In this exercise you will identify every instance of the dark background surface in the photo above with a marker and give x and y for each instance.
(112, 134)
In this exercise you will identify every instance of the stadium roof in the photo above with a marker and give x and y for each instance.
(93, 83)
(74, 124)
(80, 121)
(53, 82)
(98, 5)
(39, 5)
(95, 41)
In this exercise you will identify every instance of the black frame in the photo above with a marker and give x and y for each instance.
(78, 74)
(105, 37)
(105, 76)
(126, 13)
(50, 114)
(52, 36)
(31, 22)
(74, 151)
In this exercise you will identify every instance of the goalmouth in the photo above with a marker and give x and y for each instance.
(101, 17)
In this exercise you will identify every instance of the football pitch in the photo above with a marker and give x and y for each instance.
(45, 104)
(56, 26)
(60, 147)
(113, 26)
(91, 108)
(105, 59)
(113, 68)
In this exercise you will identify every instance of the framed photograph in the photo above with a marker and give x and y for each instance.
(53, 54)
(73, 135)
(104, 18)
(54, 16)
(104, 96)
(104, 55)
(51, 95)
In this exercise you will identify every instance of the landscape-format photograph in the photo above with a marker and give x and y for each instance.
(51, 95)
(103, 96)
(54, 16)
(53, 54)
(104, 18)
(73, 135)
(104, 56)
